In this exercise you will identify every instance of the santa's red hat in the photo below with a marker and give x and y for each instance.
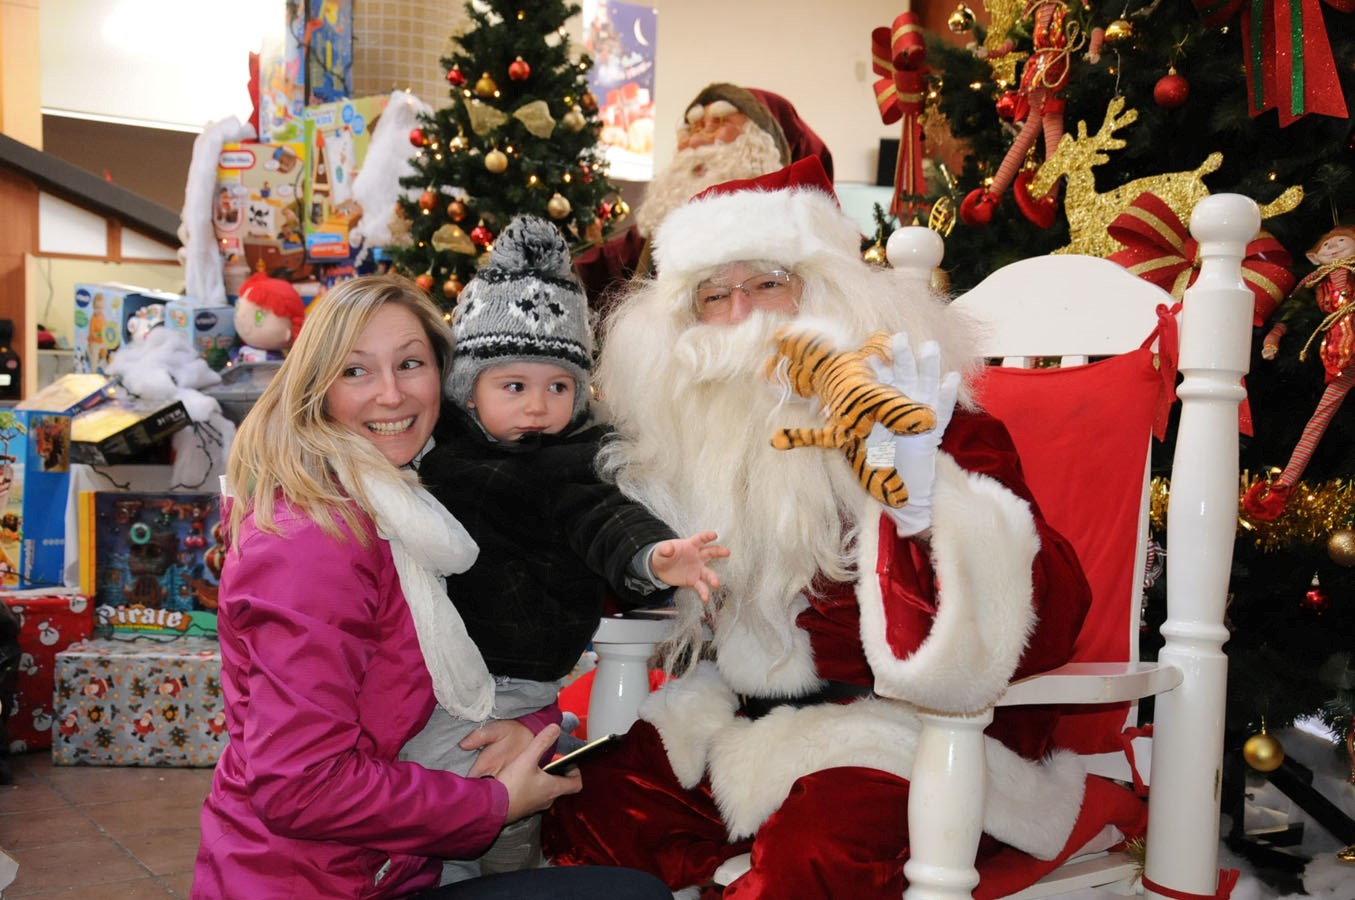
(790, 217)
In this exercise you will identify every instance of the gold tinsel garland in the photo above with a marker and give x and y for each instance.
(1311, 515)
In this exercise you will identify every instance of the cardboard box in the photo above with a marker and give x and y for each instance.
(123, 430)
(134, 703)
(71, 394)
(49, 622)
(260, 189)
(210, 329)
(35, 472)
(337, 136)
(157, 561)
(103, 317)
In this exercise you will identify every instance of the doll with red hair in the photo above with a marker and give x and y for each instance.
(268, 317)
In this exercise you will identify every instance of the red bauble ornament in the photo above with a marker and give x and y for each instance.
(455, 77)
(1006, 106)
(1171, 90)
(481, 235)
(425, 281)
(518, 70)
(428, 200)
(416, 137)
(604, 210)
(1316, 599)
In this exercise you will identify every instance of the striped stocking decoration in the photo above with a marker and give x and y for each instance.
(1265, 501)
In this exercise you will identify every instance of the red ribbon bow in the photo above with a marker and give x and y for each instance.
(1158, 248)
(1288, 56)
(899, 56)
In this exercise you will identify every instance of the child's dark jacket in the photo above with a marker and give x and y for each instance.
(552, 537)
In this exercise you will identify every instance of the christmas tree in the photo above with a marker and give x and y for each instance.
(519, 137)
(1188, 97)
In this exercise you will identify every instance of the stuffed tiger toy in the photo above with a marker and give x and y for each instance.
(853, 399)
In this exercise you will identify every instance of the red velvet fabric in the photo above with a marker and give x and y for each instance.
(633, 812)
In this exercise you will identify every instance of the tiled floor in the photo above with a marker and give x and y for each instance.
(100, 833)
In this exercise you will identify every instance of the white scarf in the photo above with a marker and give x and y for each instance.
(428, 543)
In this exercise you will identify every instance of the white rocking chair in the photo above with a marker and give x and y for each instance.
(1075, 308)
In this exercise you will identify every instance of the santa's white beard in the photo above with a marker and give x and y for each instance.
(702, 459)
(691, 171)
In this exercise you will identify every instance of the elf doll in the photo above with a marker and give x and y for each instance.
(1333, 287)
(268, 317)
(1056, 36)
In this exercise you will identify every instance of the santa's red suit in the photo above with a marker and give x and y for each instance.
(819, 793)
(816, 788)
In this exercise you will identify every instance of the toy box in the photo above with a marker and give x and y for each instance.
(72, 393)
(337, 135)
(134, 703)
(104, 317)
(210, 329)
(157, 558)
(260, 189)
(35, 472)
(124, 430)
(50, 620)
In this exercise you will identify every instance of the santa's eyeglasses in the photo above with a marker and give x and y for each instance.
(766, 288)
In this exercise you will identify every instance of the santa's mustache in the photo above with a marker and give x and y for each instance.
(722, 352)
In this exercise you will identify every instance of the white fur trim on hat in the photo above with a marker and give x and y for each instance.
(790, 227)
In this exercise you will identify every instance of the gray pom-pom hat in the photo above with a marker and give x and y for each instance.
(526, 303)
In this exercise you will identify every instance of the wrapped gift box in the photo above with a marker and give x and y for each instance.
(48, 623)
(139, 703)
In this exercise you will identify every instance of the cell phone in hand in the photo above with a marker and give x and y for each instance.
(574, 757)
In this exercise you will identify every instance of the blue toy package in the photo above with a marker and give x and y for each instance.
(157, 559)
(35, 472)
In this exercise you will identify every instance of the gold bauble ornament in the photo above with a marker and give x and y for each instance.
(496, 161)
(485, 86)
(451, 288)
(1263, 753)
(875, 255)
(458, 143)
(574, 120)
(962, 20)
(1341, 547)
(620, 210)
(1119, 31)
(558, 206)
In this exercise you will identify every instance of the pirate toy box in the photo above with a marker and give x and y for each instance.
(157, 558)
(257, 210)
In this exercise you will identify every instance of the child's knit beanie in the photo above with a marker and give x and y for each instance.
(526, 303)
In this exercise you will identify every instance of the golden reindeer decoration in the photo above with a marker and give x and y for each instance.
(1089, 212)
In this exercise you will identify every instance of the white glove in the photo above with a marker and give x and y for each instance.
(914, 455)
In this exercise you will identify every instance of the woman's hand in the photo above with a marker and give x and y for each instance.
(531, 790)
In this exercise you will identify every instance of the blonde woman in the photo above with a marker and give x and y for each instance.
(337, 641)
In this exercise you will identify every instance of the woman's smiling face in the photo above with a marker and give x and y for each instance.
(390, 390)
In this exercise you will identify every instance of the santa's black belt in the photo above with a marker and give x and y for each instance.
(831, 692)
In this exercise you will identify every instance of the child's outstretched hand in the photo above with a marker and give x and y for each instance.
(682, 562)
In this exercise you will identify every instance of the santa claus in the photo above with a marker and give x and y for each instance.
(726, 133)
(791, 726)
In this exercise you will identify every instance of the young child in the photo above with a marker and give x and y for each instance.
(513, 462)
